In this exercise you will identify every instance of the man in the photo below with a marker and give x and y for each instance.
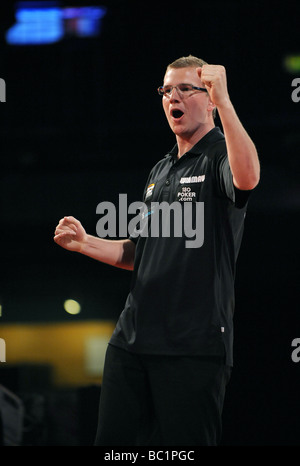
(170, 356)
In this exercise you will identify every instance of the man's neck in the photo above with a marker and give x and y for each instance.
(185, 143)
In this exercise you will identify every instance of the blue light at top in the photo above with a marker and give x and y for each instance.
(50, 23)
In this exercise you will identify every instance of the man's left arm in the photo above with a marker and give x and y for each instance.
(242, 154)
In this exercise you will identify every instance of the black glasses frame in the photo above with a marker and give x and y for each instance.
(161, 91)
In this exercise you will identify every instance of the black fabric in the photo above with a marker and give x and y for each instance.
(161, 400)
(181, 300)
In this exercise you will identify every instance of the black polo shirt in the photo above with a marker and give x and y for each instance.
(181, 300)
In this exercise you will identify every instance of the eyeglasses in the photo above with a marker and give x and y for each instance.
(184, 90)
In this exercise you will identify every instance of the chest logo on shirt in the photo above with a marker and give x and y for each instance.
(189, 188)
(192, 179)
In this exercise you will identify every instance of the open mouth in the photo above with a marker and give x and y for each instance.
(176, 114)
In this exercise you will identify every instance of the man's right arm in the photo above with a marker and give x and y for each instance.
(71, 235)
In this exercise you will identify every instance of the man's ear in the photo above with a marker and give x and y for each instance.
(211, 106)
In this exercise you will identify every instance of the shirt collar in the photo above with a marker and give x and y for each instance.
(211, 137)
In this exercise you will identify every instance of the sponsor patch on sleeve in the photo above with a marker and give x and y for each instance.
(149, 191)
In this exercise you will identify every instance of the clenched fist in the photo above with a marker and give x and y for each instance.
(70, 234)
(215, 81)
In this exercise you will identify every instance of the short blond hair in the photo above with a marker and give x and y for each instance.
(186, 62)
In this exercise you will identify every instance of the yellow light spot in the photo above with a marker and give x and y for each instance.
(291, 63)
(72, 307)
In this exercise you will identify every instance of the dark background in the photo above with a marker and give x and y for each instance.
(83, 123)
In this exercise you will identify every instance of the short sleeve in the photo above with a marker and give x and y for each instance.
(134, 237)
(136, 231)
(225, 183)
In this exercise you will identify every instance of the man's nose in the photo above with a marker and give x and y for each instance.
(174, 94)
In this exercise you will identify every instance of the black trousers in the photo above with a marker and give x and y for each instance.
(161, 400)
